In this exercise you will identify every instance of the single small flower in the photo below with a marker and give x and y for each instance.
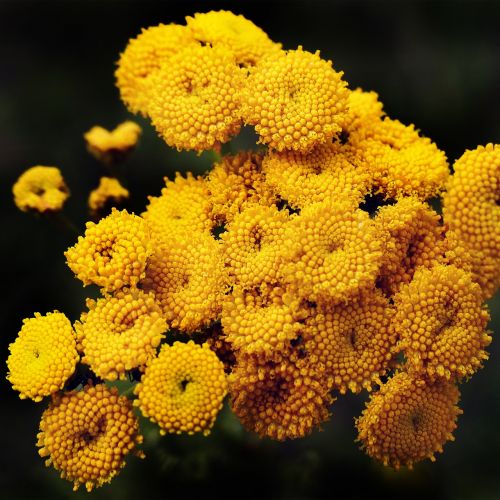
(109, 191)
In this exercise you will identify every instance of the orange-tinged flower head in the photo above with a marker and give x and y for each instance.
(196, 98)
(43, 356)
(109, 191)
(41, 189)
(112, 253)
(295, 100)
(143, 56)
(87, 434)
(441, 321)
(471, 209)
(248, 42)
(183, 388)
(120, 333)
(408, 420)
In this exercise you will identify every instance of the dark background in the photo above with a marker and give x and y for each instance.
(435, 64)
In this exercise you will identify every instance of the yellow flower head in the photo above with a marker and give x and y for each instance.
(332, 252)
(323, 174)
(414, 238)
(252, 244)
(182, 206)
(86, 435)
(353, 341)
(278, 399)
(295, 99)
(109, 191)
(143, 56)
(236, 182)
(408, 420)
(441, 320)
(41, 189)
(43, 356)
(471, 209)
(188, 278)
(196, 98)
(112, 253)
(120, 333)
(183, 388)
(239, 35)
(112, 146)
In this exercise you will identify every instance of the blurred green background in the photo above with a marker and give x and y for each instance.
(435, 64)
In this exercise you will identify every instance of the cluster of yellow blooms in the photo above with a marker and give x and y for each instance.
(291, 291)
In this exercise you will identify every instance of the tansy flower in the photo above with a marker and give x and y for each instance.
(235, 182)
(86, 435)
(120, 333)
(252, 244)
(441, 320)
(43, 356)
(112, 146)
(408, 420)
(183, 205)
(188, 278)
(471, 209)
(295, 100)
(41, 189)
(248, 42)
(323, 174)
(112, 253)
(195, 98)
(143, 56)
(331, 252)
(182, 389)
(109, 191)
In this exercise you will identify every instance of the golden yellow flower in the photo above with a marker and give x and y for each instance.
(234, 32)
(112, 146)
(109, 191)
(323, 174)
(408, 420)
(441, 320)
(183, 388)
(196, 98)
(252, 244)
(41, 189)
(143, 56)
(235, 182)
(87, 434)
(332, 252)
(188, 278)
(295, 100)
(183, 205)
(471, 209)
(112, 253)
(43, 356)
(120, 333)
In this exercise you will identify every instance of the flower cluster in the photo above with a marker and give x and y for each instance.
(311, 267)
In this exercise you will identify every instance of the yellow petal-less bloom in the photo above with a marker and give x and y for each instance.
(87, 434)
(408, 420)
(143, 56)
(112, 146)
(41, 189)
(43, 356)
(195, 98)
(332, 252)
(295, 100)
(471, 209)
(188, 278)
(248, 42)
(120, 333)
(441, 321)
(109, 191)
(112, 253)
(183, 388)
